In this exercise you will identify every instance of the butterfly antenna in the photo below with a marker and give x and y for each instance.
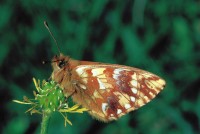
(47, 27)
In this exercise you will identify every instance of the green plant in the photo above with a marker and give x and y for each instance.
(49, 98)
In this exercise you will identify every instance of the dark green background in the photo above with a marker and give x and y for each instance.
(160, 36)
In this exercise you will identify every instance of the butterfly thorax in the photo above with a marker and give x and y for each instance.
(62, 71)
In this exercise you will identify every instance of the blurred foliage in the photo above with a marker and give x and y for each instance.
(160, 36)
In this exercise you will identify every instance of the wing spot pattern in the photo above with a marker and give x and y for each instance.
(134, 90)
(132, 99)
(134, 83)
(97, 71)
(140, 102)
(101, 85)
(104, 107)
(118, 70)
(119, 111)
(127, 106)
(124, 85)
(134, 76)
(81, 71)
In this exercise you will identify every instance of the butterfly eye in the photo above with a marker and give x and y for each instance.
(61, 64)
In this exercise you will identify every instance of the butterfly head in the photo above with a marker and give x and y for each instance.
(60, 62)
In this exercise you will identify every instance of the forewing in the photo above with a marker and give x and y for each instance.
(110, 91)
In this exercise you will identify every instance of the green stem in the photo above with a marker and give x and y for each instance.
(45, 121)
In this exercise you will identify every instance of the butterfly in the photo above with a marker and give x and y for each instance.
(108, 91)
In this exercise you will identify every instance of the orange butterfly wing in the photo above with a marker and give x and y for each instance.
(110, 91)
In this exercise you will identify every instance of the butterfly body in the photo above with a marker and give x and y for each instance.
(108, 91)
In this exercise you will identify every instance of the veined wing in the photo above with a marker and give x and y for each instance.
(110, 91)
